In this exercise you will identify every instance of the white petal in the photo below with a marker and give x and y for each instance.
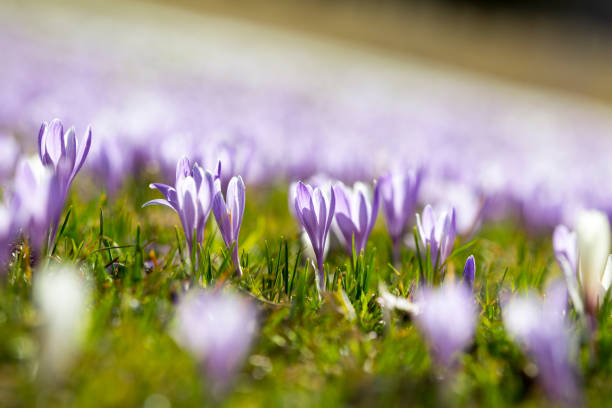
(593, 230)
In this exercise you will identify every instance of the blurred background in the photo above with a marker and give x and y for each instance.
(563, 44)
(509, 100)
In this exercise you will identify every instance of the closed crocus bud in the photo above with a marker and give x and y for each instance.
(315, 212)
(593, 230)
(447, 316)
(62, 297)
(356, 212)
(437, 232)
(228, 214)
(324, 183)
(65, 155)
(218, 329)
(469, 272)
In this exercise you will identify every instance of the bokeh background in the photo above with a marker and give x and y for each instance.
(508, 101)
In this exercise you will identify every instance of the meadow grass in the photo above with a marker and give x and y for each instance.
(335, 350)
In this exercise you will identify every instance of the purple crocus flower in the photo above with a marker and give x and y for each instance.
(437, 232)
(218, 329)
(191, 198)
(469, 272)
(34, 203)
(541, 328)
(315, 212)
(325, 184)
(229, 214)
(399, 192)
(356, 213)
(447, 317)
(64, 155)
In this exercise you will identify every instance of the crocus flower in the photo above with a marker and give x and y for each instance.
(191, 198)
(356, 212)
(64, 155)
(315, 212)
(218, 329)
(229, 215)
(399, 192)
(595, 266)
(437, 232)
(34, 202)
(541, 328)
(565, 245)
(62, 296)
(325, 184)
(469, 272)
(447, 317)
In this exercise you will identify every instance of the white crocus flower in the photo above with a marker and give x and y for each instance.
(595, 267)
(62, 297)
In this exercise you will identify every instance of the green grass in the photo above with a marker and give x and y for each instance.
(309, 351)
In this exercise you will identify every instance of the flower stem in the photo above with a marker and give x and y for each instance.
(320, 275)
(397, 252)
(236, 260)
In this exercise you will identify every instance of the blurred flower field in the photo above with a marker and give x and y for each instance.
(251, 219)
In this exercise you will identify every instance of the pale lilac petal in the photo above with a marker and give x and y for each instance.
(158, 201)
(83, 151)
(342, 201)
(54, 140)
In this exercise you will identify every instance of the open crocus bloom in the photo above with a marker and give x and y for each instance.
(356, 212)
(437, 232)
(315, 212)
(191, 198)
(595, 267)
(228, 215)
